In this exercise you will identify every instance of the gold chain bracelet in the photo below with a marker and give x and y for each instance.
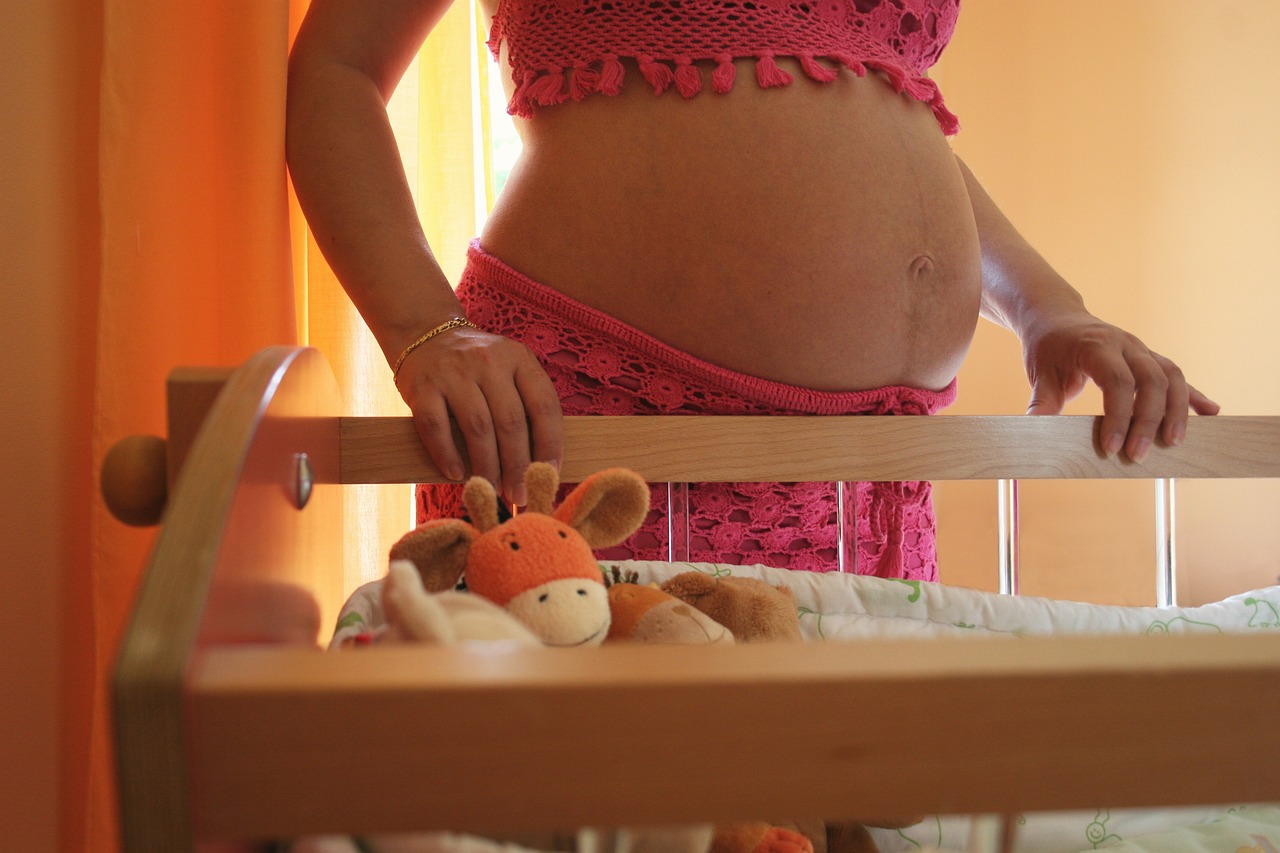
(456, 322)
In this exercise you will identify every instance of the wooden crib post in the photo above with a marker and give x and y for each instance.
(236, 563)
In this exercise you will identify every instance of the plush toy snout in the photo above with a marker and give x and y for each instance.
(565, 612)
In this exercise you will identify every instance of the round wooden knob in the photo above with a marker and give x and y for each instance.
(135, 482)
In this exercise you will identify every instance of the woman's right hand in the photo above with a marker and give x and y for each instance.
(345, 164)
(500, 397)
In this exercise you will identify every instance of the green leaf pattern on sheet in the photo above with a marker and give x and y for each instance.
(1096, 832)
(351, 620)
(915, 835)
(915, 589)
(1264, 613)
(1184, 624)
(716, 570)
(807, 611)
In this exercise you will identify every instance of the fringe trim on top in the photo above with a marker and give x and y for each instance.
(553, 85)
(768, 74)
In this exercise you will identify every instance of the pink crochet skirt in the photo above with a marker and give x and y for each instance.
(604, 367)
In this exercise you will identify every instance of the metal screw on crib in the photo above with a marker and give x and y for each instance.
(304, 480)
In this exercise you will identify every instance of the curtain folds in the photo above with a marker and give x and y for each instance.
(206, 259)
(195, 254)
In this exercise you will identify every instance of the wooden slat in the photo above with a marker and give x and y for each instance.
(398, 738)
(191, 393)
(234, 561)
(709, 449)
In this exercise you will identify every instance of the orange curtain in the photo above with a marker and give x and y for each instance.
(195, 267)
(205, 258)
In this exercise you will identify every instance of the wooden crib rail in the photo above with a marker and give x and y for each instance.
(803, 449)
(140, 470)
(231, 725)
(407, 737)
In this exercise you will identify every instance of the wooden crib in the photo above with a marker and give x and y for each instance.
(233, 727)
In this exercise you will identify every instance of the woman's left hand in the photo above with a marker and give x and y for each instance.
(1144, 394)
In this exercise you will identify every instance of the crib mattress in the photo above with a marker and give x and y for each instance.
(838, 607)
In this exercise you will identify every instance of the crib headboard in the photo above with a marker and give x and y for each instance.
(232, 725)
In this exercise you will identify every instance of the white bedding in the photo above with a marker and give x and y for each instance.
(848, 607)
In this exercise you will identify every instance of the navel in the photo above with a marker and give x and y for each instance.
(920, 266)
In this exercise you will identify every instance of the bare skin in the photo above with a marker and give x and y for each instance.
(820, 235)
(831, 248)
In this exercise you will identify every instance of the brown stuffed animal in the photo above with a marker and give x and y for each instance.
(751, 609)
(649, 614)
(755, 611)
(646, 614)
(764, 838)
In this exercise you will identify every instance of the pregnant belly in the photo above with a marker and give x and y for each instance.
(815, 235)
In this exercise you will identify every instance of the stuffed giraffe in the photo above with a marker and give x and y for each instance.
(537, 565)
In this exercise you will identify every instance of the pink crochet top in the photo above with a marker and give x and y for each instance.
(568, 49)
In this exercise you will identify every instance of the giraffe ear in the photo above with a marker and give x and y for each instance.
(607, 507)
(439, 549)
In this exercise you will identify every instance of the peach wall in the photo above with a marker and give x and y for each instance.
(48, 266)
(1134, 145)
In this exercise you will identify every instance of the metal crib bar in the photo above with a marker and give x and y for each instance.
(1166, 544)
(846, 539)
(1007, 510)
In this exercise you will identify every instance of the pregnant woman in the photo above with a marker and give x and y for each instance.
(721, 207)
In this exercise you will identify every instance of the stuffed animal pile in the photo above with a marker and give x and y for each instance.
(534, 579)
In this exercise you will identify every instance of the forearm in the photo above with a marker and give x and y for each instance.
(346, 61)
(351, 184)
(1063, 345)
(1018, 284)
